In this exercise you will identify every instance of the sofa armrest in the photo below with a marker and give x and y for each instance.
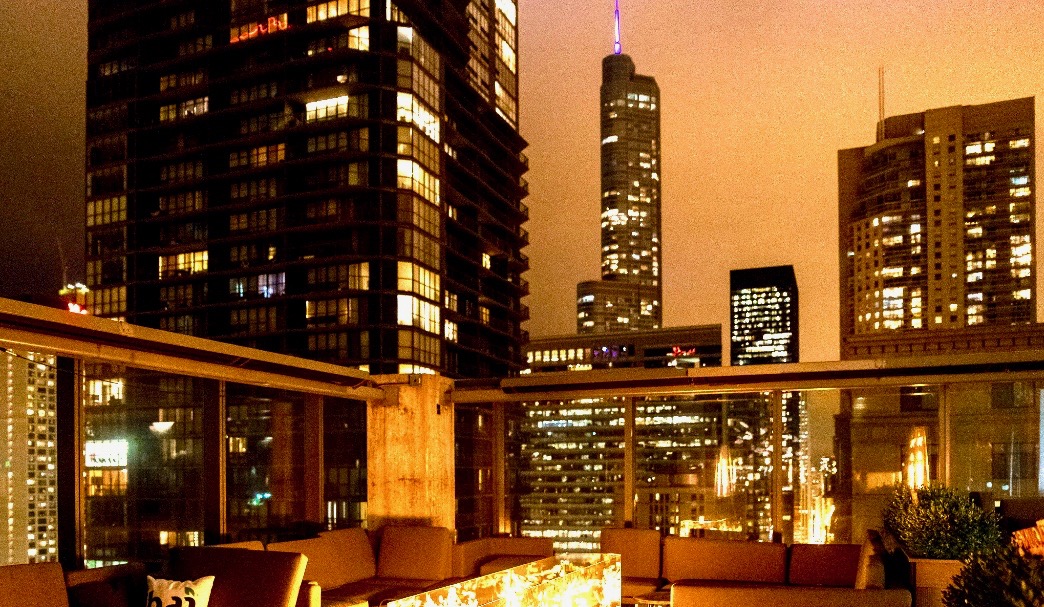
(310, 595)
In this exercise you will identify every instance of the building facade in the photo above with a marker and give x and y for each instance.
(937, 221)
(29, 525)
(336, 179)
(764, 312)
(630, 218)
(695, 346)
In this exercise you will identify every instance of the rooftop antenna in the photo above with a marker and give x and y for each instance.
(880, 103)
(617, 47)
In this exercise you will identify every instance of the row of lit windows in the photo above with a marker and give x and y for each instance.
(181, 79)
(263, 285)
(181, 171)
(107, 302)
(329, 312)
(107, 210)
(420, 280)
(353, 106)
(182, 202)
(322, 11)
(357, 39)
(184, 109)
(354, 276)
(182, 263)
(357, 140)
(258, 156)
(410, 109)
(255, 189)
(416, 312)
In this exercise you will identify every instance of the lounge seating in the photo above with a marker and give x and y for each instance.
(410, 560)
(639, 551)
(487, 555)
(237, 581)
(706, 573)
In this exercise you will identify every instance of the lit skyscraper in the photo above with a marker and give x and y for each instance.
(29, 525)
(630, 116)
(937, 221)
(764, 306)
(336, 179)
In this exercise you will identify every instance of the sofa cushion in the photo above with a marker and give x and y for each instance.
(353, 545)
(637, 586)
(335, 558)
(114, 586)
(415, 553)
(36, 585)
(639, 550)
(824, 565)
(870, 572)
(243, 578)
(730, 560)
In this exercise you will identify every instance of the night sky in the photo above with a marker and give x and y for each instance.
(757, 97)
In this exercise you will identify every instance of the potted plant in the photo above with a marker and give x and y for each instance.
(938, 527)
(1005, 577)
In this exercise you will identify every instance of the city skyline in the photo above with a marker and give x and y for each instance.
(811, 71)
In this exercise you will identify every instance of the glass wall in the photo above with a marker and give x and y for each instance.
(344, 457)
(143, 450)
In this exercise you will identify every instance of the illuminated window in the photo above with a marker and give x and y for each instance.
(487, 261)
(412, 176)
(329, 312)
(336, 8)
(1019, 143)
(182, 264)
(413, 311)
(108, 210)
(1019, 192)
(484, 315)
(450, 333)
(1021, 294)
(336, 107)
(107, 302)
(410, 109)
(420, 280)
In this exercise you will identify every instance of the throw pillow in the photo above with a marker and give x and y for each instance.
(169, 593)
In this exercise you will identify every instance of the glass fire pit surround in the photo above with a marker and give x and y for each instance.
(566, 580)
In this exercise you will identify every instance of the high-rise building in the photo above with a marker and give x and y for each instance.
(937, 221)
(764, 311)
(630, 117)
(29, 524)
(336, 179)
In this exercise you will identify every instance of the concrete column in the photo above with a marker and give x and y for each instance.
(410, 453)
(945, 435)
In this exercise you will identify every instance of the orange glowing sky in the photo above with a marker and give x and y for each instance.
(757, 97)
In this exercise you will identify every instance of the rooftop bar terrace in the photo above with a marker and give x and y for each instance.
(141, 441)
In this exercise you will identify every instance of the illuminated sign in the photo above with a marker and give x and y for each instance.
(105, 454)
(253, 30)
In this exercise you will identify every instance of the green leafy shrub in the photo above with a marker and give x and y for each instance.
(940, 523)
(1003, 577)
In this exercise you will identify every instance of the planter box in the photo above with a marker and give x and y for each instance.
(929, 577)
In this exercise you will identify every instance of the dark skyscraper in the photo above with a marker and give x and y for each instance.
(340, 180)
(630, 112)
(764, 311)
(937, 222)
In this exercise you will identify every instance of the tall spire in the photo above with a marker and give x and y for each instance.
(617, 47)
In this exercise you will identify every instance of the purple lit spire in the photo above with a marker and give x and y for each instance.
(617, 47)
